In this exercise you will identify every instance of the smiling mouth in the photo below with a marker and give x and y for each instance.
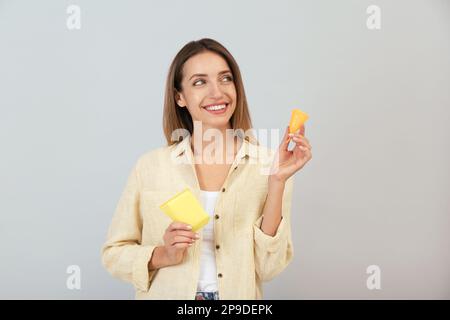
(219, 108)
(216, 107)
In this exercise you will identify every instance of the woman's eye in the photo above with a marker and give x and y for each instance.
(198, 82)
(201, 81)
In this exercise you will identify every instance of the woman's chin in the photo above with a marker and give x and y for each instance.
(216, 123)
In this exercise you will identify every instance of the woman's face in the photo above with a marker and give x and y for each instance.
(208, 82)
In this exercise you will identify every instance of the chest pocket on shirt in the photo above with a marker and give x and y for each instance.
(248, 208)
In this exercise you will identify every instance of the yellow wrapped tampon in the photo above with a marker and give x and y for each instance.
(184, 207)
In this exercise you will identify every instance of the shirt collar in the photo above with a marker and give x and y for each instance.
(247, 148)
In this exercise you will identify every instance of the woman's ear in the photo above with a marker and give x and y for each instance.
(180, 99)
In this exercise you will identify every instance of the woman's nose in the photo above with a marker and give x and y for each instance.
(215, 90)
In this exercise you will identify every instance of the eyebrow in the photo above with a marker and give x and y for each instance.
(205, 75)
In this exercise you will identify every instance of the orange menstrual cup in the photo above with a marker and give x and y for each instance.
(298, 118)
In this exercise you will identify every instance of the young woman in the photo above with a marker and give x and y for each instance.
(248, 238)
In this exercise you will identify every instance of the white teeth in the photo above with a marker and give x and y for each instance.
(218, 107)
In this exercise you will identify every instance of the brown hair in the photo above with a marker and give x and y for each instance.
(175, 117)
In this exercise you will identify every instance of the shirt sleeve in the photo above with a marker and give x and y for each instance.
(122, 254)
(274, 253)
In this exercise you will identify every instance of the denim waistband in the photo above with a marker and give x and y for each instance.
(203, 295)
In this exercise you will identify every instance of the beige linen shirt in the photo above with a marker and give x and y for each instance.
(245, 255)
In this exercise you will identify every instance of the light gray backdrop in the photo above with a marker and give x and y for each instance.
(79, 106)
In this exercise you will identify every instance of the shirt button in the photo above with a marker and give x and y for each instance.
(217, 216)
(223, 189)
(217, 247)
(219, 275)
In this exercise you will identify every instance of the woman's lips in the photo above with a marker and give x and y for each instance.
(220, 111)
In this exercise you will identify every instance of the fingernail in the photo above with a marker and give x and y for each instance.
(197, 236)
(189, 227)
(290, 134)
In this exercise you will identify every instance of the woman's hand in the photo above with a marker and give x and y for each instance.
(291, 161)
(177, 238)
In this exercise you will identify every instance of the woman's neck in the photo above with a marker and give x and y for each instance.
(221, 147)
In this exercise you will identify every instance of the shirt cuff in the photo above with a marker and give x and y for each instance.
(141, 275)
(268, 242)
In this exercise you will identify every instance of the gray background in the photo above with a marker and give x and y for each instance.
(79, 107)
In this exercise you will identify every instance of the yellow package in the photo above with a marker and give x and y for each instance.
(184, 207)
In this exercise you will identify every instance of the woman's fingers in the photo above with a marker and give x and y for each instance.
(182, 245)
(302, 154)
(180, 233)
(302, 130)
(188, 234)
(182, 239)
(298, 139)
(285, 142)
(178, 226)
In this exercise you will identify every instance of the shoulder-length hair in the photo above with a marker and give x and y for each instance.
(175, 117)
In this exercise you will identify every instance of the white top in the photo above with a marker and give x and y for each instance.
(208, 275)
